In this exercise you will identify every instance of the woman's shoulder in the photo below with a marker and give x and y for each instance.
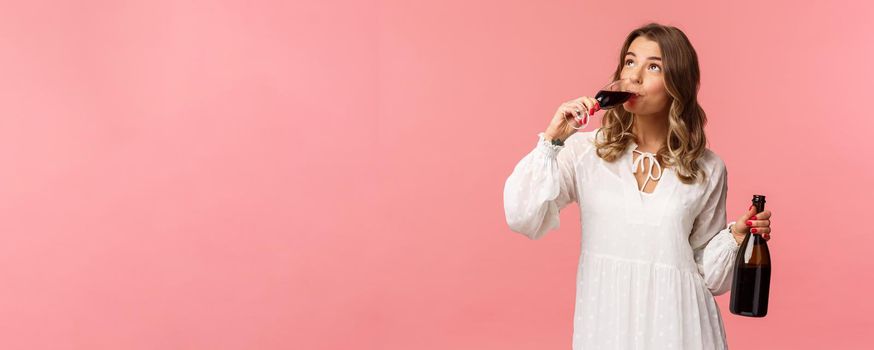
(711, 158)
(712, 164)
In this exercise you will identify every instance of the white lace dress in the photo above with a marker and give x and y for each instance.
(650, 264)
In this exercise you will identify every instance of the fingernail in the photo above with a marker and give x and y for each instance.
(749, 223)
(753, 230)
(753, 217)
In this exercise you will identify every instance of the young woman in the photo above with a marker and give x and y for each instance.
(655, 244)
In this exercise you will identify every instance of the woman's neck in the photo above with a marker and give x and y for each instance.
(651, 132)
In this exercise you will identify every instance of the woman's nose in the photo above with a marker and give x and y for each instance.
(633, 76)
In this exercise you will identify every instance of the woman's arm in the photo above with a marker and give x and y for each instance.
(713, 245)
(542, 184)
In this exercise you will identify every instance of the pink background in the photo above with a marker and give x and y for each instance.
(288, 175)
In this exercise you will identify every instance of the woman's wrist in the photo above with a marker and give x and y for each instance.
(737, 237)
(549, 137)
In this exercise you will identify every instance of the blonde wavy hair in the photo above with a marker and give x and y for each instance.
(686, 140)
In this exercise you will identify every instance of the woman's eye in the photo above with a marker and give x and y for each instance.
(627, 62)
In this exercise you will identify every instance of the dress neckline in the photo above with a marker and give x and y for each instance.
(637, 164)
(642, 207)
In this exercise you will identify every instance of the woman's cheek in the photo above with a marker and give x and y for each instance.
(654, 90)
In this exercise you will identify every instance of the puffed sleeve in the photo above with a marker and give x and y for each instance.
(713, 246)
(541, 184)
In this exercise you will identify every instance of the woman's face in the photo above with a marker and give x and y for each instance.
(643, 64)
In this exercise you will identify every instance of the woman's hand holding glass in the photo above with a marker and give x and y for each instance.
(578, 111)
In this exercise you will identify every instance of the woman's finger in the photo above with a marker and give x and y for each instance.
(578, 110)
(765, 214)
(581, 107)
(578, 113)
(593, 105)
(751, 213)
(569, 109)
(761, 230)
(586, 102)
(572, 117)
(758, 223)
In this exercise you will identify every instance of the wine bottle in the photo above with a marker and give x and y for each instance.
(752, 273)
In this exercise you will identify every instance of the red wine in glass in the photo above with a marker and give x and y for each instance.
(611, 95)
(610, 99)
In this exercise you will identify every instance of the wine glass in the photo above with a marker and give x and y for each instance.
(611, 95)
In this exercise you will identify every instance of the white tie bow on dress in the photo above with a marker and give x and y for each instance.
(638, 164)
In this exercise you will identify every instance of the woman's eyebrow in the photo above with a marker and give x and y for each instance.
(649, 58)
